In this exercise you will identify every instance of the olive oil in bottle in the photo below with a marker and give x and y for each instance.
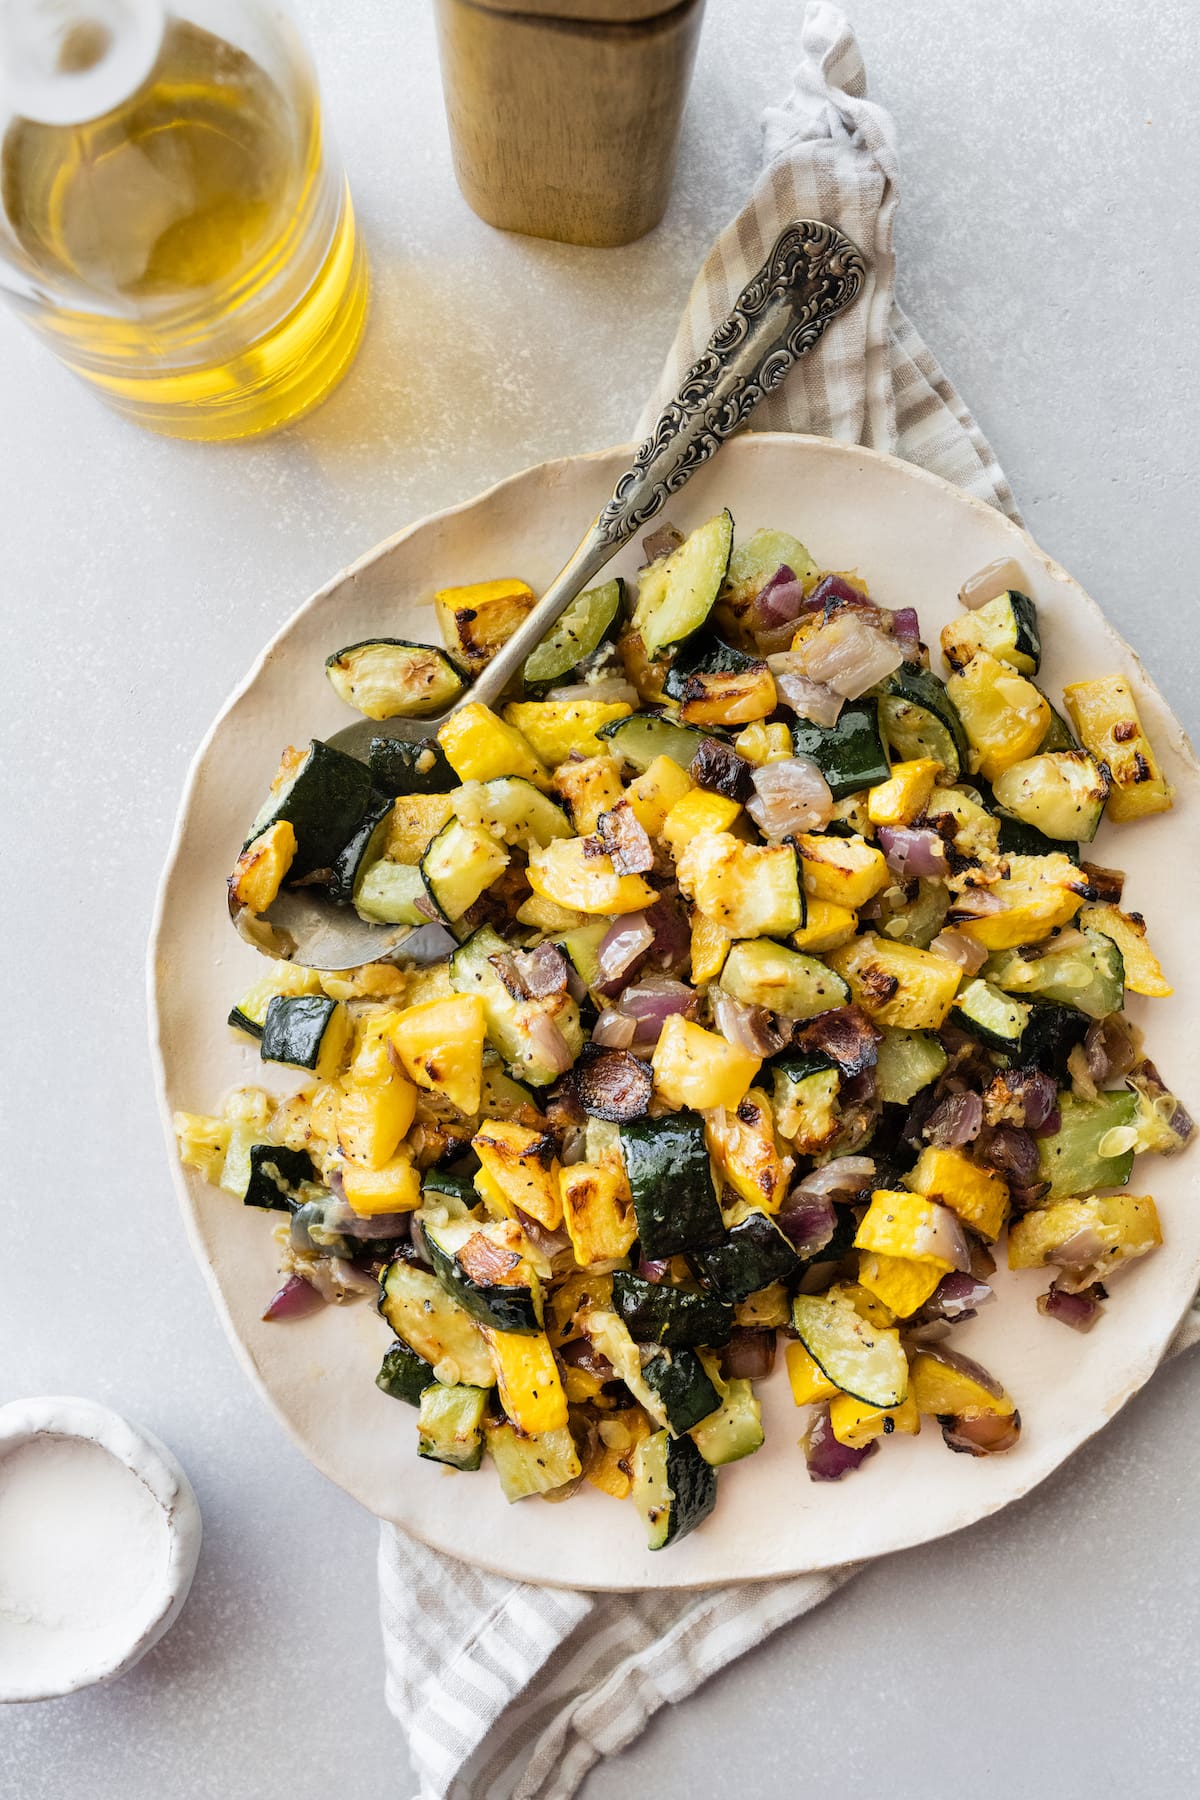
(191, 249)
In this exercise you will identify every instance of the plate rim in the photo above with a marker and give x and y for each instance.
(1143, 1366)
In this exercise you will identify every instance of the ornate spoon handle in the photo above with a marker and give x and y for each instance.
(811, 275)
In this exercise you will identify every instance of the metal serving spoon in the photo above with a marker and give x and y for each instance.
(812, 273)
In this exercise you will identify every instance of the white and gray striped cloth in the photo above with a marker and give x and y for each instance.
(508, 1691)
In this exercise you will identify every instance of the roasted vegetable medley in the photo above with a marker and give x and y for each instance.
(774, 989)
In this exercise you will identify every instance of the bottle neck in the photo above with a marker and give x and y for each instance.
(65, 61)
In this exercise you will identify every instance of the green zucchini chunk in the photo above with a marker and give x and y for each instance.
(918, 719)
(850, 754)
(641, 737)
(250, 1013)
(674, 1489)
(805, 1095)
(735, 1430)
(753, 563)
(473, 972)
(754, 1253)
(531, 1465)
(501, 1097)
(1007, 627)
(1089, 977)
(451, 1191)
(393, 894)
(307, 1031)
(580, 631)
(581, 947)
(657, 1313)
(389, 678)
(1061, 793)
(513, 810)
(1049, 1037)
(459, 865)
(505, 1307)
(425, 1317)
(704, 654)
(759, 972)
(1059, 735)
(861, 1359)
(323, 801)
(364, 848)
(670, 1178)
(404, 1375)
(994, 1017)
(1073, 1159)
(1018, 839)
(682, 1389)
(450, 1425)
(398, 767)
(676, 593)
(906, 1062)
(277, 1177)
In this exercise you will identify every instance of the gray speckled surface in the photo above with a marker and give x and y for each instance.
(1049, 255)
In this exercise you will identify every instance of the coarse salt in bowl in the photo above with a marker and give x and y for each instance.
(99, 1536)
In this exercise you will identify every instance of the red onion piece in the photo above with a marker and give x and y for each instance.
(543, 971)
(955, 1120)
(750, 1028)
(1024, 1199)
(827, 1459)
(1146, 1077)
(1079, 1311)
(550, 1243)
(295, 1299)
(975, 903)
(778, 601)
(808, 699)
(906, 629)
(1024, 1097)
(341, 1217)
(749, 1354)
(790, 795)
(846, 1036)
(1052, 1123)
(651, 1003)
(809, 1220)
(849, 655)
(1108, 1048)
(576, 985)
(612, 1084)
(911, 852)
(988, 583)
(672, 946)
(626, 840)
(957, 947)
(957, 1296)
(654, 1270)
(718, 768)
(661, 541)
(547, 1042)
(850, 1177)
(1012, 1153)
(988, 1435)
(337, 1280)
(581, 1353)
(614, 1030)
(834, 592)
(626, 940)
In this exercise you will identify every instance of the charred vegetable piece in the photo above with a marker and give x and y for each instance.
(531, 1465)
(612, 1084)
(918, 720)
(482, 1270)
(720, 769)
(642, 738)
(476, 620)
(426, 1318)
(715, 684)
(1106, 718)
(1006, 626)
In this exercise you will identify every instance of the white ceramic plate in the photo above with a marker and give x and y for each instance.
(914, 540)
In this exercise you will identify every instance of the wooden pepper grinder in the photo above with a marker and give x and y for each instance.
(564, 114)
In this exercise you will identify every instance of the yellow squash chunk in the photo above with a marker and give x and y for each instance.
(373, 1119)
(898, 1223)
(1121, 1226)
(656, 790)
(697, 811)
(732, 697)
(696, 1068)
(940, 1389)
(710, 947)
(807, 1381)
(900, 1283)
(203, 1142)
(867, 1305)
(761, 744)
(747, 889)
(476, 620)
(549, 916)
(855, 1423)
(975, 831)
(396, 1187)
(1004, 716)
(1105, 715)
(567, 1306)
(531, 1391)
(414, 821)
(905, 796)
(620, 1434)
(646, 674)
(373, 981)
(259, 871)
(846, 871)
(742, 1143)
(598, 1213)
(523, 1165)
(897, 984)
(978, 1197)
(1038, 894)
(826, 927)
(566, 873)
(589, 787)
(440, 1044)
(561, 728)
(480, 746)
(1143, 971)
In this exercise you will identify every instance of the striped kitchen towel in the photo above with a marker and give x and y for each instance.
(507, 1691)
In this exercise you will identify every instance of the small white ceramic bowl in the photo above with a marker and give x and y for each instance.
(38, 1662)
